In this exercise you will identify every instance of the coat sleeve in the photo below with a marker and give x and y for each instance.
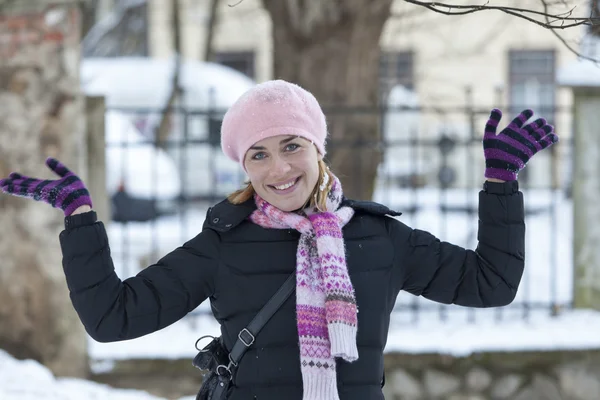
(485, 277)
(113, 310)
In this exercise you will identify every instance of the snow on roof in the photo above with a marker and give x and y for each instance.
(145, 82)
(583, 73)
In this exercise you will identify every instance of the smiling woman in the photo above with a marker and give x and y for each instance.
(293, 221)
(277, 132)
(287, 172)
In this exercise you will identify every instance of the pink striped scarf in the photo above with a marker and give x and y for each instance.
(325, 303)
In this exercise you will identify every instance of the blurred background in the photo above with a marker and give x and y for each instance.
(131, 94)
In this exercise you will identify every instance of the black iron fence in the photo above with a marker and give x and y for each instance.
(432, 171)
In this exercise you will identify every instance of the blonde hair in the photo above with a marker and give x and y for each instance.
(317, 199)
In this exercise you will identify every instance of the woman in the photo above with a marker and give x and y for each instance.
(349, 257)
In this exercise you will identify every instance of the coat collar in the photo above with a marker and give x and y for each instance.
(225, 216)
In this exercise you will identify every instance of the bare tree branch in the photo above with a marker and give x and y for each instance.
(210, 30)
(165, 121)
(553, 21)
(595, 10)
(546, 4)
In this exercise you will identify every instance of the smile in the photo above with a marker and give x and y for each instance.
(286, 186)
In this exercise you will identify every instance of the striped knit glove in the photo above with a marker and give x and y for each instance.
(67, 193)
(507, 153)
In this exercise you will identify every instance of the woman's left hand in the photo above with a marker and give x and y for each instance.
(508, 152)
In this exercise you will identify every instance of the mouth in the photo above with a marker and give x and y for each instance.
(285, 187)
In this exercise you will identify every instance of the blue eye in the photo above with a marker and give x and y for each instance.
(292, 147)
(258, 156)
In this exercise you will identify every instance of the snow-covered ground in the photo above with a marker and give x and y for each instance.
(573, 330)
(29, 380)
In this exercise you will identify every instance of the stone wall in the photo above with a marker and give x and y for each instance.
(494, 376)
(486, 376)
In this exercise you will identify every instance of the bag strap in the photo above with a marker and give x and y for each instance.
(247, 335)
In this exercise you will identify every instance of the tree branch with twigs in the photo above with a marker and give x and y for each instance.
(546, 4)
(562, 20)
(315, 44)
(553, 21)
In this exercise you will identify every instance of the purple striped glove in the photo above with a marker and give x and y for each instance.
(507, 153)
(67, 193)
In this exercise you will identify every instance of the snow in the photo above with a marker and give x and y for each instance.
(146, 83)
(583, 72)
(137, 163)
(398, 160)
(573, 330)
(439, 329)
(159, 344)
(29, 380)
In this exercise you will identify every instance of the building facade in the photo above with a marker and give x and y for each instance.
(456, 67)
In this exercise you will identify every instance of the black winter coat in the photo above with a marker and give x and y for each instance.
(239, 266)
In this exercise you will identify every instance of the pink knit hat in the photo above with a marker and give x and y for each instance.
(270, 109)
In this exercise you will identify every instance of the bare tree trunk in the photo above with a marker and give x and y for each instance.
(595, 8)
(209, 48)
(331, 48)
(165, 121)
(41, 115)
(87, 10)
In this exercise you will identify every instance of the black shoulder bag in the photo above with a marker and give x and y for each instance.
(221, 366)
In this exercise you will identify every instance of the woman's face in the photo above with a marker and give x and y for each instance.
(283, 170)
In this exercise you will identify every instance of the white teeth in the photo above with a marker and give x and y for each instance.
(286, 186)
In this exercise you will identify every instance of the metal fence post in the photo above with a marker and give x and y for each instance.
(95, 110)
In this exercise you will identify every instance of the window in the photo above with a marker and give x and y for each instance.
(395, 68)
(532, 81)
(240, 61)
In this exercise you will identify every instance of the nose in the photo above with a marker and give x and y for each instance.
(280, 166)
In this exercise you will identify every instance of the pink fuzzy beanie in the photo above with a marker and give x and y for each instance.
(270, 109)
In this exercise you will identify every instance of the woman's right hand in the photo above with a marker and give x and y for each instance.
(67, 193)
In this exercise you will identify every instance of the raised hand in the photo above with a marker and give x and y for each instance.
(507, 153)
(67, 193)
